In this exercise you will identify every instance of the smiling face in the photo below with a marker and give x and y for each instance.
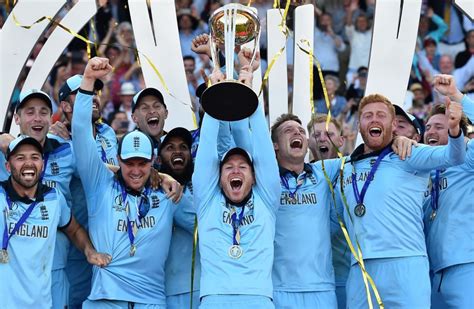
(236, 178)
(68, 106)
(176, 155)
(135, 172)
(291, 143)
(405, 128)
(436, 132)
(150, 115)
(25, 166)
(376, 125)
(320, 141)
(34, 119)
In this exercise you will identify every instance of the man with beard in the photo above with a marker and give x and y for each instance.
(149, 112)
(236, 200)
(449, 210)
(79, 272)
(407, 125)
(32, 214)
(127, 217)
(103, 133)
(175, 160)
(384, 212)
(33, 115)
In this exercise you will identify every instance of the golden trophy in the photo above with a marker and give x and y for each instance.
(231, 25)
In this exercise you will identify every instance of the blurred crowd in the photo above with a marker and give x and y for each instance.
(343, 31)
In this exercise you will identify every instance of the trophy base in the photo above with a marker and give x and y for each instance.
(229, 101)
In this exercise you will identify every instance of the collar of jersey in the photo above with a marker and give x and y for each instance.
(358, 153)
(241, 203)
(41, 191)
(50, 145)
(306, 168)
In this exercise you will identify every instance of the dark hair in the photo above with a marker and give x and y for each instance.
(440, 109)
(189, 57)
(279, 121)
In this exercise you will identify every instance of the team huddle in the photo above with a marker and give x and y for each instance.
(231, 215)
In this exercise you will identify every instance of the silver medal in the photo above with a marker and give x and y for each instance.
(133, 249)
(4, 256)
(235, 251)
(359, 210)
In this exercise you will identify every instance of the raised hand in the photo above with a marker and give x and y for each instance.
(201, 45)
(245, 56)
(446, 85)
(96, 68)
(454, 114)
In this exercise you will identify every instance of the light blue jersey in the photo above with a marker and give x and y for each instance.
(251, 273)
(393, 223)
(341, 254)
(390, 232)
(303, 259)
(179, 263)
(449, 234)
(138, 278)
(59, 166)
(79, 271)
(26, 278)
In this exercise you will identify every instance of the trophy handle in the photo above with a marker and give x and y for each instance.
(214, 52)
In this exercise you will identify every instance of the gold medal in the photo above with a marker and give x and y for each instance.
(4, 256)
(235, 251)
(133, 249)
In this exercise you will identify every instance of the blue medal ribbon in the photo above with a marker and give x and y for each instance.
(360, 196)
(45, 165)
(26, 214)
(236, 224)
(299, 183)
(194, 137)
(142, 211)
(435, 192)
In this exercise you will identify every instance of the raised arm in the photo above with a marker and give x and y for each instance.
(206, 166)
(446, 85)
(264, 159)
(89, 166)
(430, 158)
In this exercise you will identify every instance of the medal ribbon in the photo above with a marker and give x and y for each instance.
(45, 165)
(236, 225)
(435, 192)
(360, 196)
(299, 183)
(132, 230)
(26, 214)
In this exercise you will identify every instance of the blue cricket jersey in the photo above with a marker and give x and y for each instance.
(449, 235)
(59, 168)
(179, 262)
(26, 278)
(138, 278)
(106, 142)
(251, 273)
(393, 223)
(303, 259)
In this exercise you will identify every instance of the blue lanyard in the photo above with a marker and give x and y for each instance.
(360, 196)
(194, 136)
(26, 214)
(435, 192)
(131, 235)
(299, 183)
(236, 225)
(45, 165)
